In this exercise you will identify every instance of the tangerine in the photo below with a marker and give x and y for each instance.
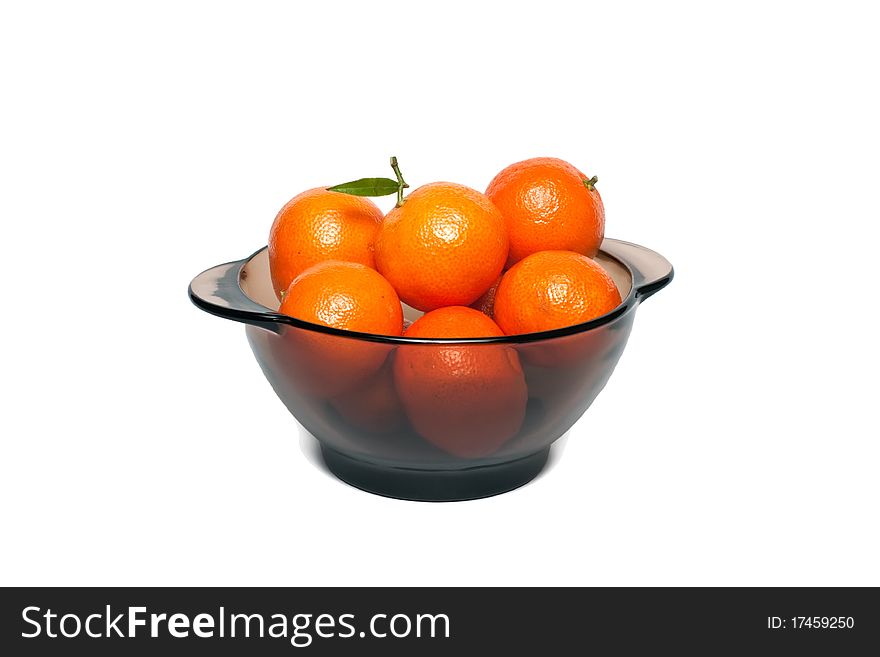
(444, 246)
(486, 303)
(342, 295)
(467, 399)
(319, 225)
(373, 406)
(553, 289)
(548, 204)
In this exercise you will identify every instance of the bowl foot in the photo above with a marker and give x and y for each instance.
(434, 485)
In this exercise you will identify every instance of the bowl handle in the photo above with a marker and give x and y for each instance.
(217, 291)
(651, 271)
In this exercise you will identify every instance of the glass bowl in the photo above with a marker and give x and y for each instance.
(464, 432)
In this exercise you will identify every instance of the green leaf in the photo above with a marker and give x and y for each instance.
(367, 187)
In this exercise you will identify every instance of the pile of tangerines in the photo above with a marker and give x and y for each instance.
(335, 260)
(517, 259)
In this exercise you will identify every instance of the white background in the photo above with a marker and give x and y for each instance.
(737, 442)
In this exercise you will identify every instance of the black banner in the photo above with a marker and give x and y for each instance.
(436, 621)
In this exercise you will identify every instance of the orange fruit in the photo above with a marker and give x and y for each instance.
(467, 399)
(320, 225)
(343, 295)
(444, 246)
(373, 406)
(486, 303)
(548, 205)
(552, 289)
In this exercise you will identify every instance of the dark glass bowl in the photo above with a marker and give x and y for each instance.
(483, 430)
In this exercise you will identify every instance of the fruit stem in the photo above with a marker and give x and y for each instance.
(591, 183)
(401, 183)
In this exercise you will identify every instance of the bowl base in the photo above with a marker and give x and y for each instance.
(434, 485)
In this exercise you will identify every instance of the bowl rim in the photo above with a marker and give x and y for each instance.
(252, 312)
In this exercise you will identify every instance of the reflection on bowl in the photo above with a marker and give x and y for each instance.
(390, 424)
